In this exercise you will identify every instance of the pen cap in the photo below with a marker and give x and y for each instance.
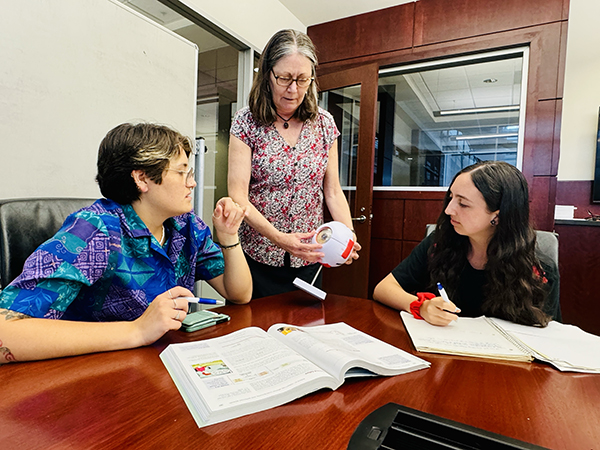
(337, 241)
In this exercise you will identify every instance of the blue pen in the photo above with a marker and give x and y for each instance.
(445, 298)
(204, 301)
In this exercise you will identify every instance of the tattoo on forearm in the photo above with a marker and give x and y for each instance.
(6, 355)
(12, 314)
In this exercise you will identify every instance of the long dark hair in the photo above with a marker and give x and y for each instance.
(513, 289)
(283, 43)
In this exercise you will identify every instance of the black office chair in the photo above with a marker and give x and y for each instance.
(27, 223)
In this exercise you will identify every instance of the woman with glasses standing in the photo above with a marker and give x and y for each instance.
(283, 162)
(119, 273)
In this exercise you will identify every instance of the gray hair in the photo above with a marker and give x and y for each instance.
(281, 44)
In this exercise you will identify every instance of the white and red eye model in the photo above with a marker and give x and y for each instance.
(337, 241)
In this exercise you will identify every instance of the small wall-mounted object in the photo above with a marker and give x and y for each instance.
(562, 212)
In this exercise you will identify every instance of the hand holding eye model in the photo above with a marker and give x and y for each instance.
(337, 242)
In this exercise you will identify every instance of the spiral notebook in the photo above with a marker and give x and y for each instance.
(566, 347)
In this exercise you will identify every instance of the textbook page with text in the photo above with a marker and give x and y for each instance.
(344, 351)
(251, 370)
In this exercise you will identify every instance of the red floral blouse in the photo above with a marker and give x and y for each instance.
(286, 183)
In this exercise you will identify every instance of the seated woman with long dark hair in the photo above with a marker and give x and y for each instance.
(483, 252)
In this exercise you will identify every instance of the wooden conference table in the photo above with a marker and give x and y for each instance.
(126, 399)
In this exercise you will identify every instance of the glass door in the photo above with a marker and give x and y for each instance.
(351, 97)
(344, 105)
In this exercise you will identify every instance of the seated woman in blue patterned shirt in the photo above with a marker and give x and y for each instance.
(117, 271)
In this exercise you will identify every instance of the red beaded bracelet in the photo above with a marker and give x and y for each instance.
(415, 307)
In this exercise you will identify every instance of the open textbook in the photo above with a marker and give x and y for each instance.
(566, 347)
(251, 370)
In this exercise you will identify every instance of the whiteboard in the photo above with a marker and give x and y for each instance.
(69, 72)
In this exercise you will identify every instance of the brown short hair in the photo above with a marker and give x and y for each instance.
(143, 146)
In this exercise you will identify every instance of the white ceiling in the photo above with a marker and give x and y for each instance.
(309, 12)
(312, 12)
(491, 84)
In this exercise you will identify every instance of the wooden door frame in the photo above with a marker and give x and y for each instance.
(353, 280)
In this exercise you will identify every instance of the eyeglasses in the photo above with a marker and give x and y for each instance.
(287, 81)
(189, 174)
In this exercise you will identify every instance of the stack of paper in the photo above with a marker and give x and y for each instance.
(566, 347)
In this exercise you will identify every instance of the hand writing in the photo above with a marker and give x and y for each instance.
(435, 311)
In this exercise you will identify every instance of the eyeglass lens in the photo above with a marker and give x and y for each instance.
(287, 81)
(190, 175)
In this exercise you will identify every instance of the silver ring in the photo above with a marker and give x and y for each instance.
(177, 316)
(170, 295)
(174, 303)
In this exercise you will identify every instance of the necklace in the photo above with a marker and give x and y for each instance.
(286, 125)
(162, 237)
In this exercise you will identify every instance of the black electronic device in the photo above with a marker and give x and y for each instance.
(394, 426)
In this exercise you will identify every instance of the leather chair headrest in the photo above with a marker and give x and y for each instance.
(27, 223)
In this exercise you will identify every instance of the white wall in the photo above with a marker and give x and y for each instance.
(253, 22)
(69, 72)
(581, 98)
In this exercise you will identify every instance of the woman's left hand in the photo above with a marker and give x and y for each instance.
(354, 255)
(227, 217)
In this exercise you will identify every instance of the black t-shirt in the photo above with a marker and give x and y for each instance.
(414, 276)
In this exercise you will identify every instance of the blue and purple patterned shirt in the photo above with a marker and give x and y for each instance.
(104, 265)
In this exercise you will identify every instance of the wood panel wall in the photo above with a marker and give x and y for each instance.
(578, 194)
(399, 220)
(579, 265)
(434, 29)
